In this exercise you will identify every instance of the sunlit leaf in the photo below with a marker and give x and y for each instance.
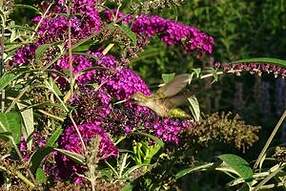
(55, 87)
(84, 44)
(238, 164)
(28, 119)
(72, 155)
(108, 48)
(197, 72)
(38, 156)
(54, 137)
(40, 51)
(6, 79)
(194, 107)
(11, 123)
(131, 35)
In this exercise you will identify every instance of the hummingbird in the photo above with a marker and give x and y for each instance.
(168, 98)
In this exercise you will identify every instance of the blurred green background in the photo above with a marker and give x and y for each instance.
(242, 29)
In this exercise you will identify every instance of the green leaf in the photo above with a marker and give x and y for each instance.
(133, 168)
(28, 7)
(83, 47)
(126, 29)
(6, 79)
(184, 172)
(54, 137)
(5, 135)
(11, 123)
(194, 107)
(197, 72)
(55, 87)
(72, 155)
(40, 51)
(128, 187)
(154, 138)
(28, 119)
(38, 156)
(108, 48)
(238, 164)
(40, 176)
(84, 44)
(262, 60)
(168, 77)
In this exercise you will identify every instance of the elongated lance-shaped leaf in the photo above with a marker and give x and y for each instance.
(54, 137)
(38, 156)
(126, 29)
(28, 7)
(6, 79)
(186, 171)
(28, 119)
(40, 51)
(72, 155)
(194, 107)
(262, 60)
(11, 123)
(84, 44)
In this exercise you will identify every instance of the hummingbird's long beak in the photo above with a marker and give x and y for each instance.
(121, 101)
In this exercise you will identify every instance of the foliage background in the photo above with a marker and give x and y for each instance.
(242, 29)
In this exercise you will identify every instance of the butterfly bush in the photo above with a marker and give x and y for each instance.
(253, 68)
(103, 79)
(169, 31)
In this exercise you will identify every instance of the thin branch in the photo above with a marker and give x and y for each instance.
(270, 139)
(2, 62)
(78, 132)
(273, 174)
(51, 115)
(41, 20)
(17, 99)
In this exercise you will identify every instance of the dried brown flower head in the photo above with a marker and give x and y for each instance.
(226, 128)
(280, 154)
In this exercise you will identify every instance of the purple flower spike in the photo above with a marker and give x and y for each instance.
(169, 129)
(169, 31)
(174, 33)
(125, 83)
(71, 141)
(252, 68)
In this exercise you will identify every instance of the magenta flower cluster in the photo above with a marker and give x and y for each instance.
(71, 141)
(169, 31)
(102, 80)
(252, 68)
(85, 20)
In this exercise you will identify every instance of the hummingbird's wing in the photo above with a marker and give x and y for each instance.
(173, 87)
(177, 100)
